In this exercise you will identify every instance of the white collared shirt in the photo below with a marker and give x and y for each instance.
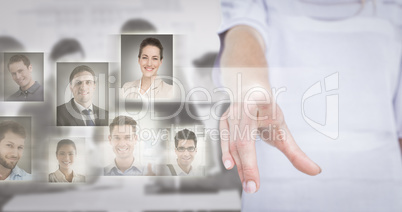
(194, 171)
(147, 91)
(58, 177)
(158, 90)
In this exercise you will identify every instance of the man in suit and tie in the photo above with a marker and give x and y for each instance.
(80, 111)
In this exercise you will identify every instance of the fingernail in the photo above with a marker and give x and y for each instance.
(244, 185)
(227, 164)
(251, 187)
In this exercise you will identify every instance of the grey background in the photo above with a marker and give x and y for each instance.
(24, 162)
(36, 59)
(63, 89)
(130, 46)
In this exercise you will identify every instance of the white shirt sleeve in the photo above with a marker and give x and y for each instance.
(252, 13)
(244, 12)
(398, 104)
(394, 11)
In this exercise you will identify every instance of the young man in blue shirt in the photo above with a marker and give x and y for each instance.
(12, 141)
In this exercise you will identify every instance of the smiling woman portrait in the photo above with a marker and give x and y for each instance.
(66, 153)
(150, 58)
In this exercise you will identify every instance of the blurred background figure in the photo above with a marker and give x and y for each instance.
(8, 43)
(138, 26)
(67, 50)
(207, 60)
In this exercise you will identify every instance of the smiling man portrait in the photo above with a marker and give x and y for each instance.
(123, 139)
(21, 69)
(186, 151)
(12, 142)
(80, 110)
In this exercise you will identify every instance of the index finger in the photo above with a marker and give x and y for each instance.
(295, 155)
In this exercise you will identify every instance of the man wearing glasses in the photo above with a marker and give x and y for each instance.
(80, 110)
(186, 149)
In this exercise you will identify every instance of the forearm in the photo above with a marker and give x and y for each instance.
(244, 55)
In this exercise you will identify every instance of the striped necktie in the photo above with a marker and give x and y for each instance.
(88, 119)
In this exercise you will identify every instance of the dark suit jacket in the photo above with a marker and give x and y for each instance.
(69, 115)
